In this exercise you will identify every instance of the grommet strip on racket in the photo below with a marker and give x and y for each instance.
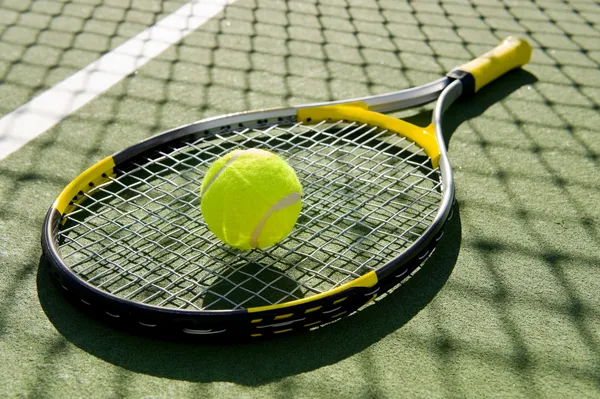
(126, 238)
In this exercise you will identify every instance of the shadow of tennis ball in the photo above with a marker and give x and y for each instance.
(250, 285)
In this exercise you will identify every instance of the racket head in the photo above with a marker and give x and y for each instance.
(127, 239)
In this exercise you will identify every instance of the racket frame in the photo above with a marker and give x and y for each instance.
(269, 319)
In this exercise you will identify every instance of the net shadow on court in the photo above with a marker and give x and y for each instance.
(248, 58)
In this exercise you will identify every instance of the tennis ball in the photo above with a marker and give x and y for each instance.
(251, 198)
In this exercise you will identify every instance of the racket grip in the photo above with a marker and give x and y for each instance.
(511, 53)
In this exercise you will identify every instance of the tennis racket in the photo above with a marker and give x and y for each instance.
(126, 238)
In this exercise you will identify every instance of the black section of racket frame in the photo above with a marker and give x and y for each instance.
(180, 137)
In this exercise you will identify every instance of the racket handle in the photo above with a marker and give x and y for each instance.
(511, 53)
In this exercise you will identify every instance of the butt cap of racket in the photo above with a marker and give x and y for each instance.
(511, 53)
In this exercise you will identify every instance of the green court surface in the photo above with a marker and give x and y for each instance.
(507, 306)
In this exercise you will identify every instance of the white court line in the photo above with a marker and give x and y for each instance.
(46, 110)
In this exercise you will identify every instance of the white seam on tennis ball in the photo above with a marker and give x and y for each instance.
(219, 173)
(283, 203)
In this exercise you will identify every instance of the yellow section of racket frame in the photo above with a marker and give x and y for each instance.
(368, 280)
(359, 112)
(95, 175)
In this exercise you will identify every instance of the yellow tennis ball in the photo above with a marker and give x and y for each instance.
(251, 198)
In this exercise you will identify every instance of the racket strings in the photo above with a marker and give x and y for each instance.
(333, 156)
(368, 195)
(153, 270)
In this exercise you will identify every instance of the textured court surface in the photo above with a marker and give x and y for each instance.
(508, 304)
